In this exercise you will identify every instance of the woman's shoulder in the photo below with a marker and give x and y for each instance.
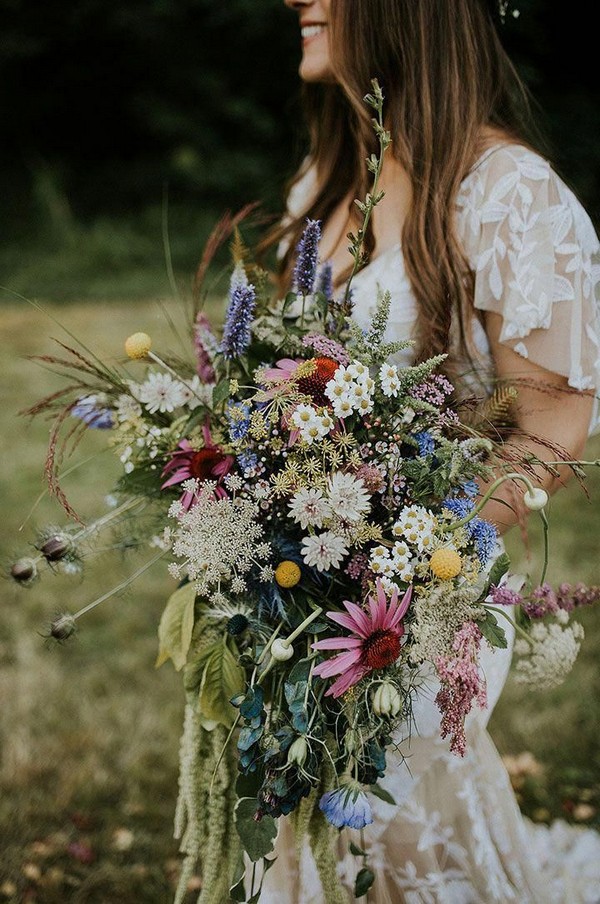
(514, 185)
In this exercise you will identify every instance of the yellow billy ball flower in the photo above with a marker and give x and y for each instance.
(445, 563)
(287, 574)
(138, 345)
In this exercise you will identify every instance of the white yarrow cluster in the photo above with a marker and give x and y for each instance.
(219, 540)
(351, 390)
(547, 663)
(312, 425)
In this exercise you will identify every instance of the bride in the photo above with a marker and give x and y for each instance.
(489, 257)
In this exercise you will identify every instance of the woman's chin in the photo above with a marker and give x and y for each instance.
(315, 68)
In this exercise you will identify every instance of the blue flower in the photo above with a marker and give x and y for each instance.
(238, 320)
(426, 443)
(485, 536)
(470, 488)
(347, 806)
(91, 412)
(238, 418)
(461, 507)
(307, 252)
(247, 462)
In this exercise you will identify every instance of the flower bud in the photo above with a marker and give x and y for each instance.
(351, 741)
(281, 650)
(298, 751)
(24, 571)
(56, 547)
(386, 700)
(63, 627)
(535, 499)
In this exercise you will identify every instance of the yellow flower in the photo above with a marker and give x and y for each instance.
(287, 574)
(445, 563)
(138, 345)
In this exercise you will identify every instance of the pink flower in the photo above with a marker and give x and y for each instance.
(282, 372)
(376, 641)
(462, 684)
(208, 463)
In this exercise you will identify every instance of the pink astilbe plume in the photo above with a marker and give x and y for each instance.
(375, 644)
(462, 685)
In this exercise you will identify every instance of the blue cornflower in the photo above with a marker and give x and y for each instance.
(485, 536)
(90, 411)
(325, 281)
(426, 443)
(347, 806)
(238, 418)
(307, 252)
(236, 333)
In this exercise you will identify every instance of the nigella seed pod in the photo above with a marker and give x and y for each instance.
(298, 751)
(237, 624)
(24, 571)
(63, 627)
(56, 547)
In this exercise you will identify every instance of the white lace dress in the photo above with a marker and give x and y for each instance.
(456, 835)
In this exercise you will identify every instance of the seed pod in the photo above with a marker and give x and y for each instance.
(63, 627)
(298, 751)
(281, 650)
(56, 547)
(386, 700)
(24, 570)
(237, 624)
(535, 499)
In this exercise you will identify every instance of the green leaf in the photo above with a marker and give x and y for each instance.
(499, 569)
(258, 838)
(220, 392)
(382, 794)
(176, 626)
(237, 892)
(358, 852)
(492, 631)
(223, 678)
(364, 881)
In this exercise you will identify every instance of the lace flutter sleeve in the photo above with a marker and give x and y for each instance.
(536, 259)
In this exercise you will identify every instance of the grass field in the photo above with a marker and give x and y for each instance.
(89, 730)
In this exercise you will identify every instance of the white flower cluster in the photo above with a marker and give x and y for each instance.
(312, 425)
(345, 502)
(437, 615)
(218, 539)
(547, 663)
(350, 390)
(414, 531)
(161, 392)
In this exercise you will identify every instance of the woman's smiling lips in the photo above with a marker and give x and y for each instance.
(308, 31)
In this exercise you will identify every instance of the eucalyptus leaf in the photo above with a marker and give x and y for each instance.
(223, 678)
(258, 838)
(176, 626)
(364, 881)
(358, 852)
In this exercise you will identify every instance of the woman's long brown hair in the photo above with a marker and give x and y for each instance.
(445, 76)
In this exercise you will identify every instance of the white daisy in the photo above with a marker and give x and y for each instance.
(127, 409)
(310, 508)
(324, 551)
(348, 497)
(161, 393)
(197, 393)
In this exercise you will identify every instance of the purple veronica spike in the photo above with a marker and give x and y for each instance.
(205, 346)
(236, 333)
(325, 281)
(307, 252)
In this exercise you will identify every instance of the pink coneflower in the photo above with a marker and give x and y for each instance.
(208, 463)
(376, 643)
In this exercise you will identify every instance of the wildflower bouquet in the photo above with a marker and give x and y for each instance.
(322, 510)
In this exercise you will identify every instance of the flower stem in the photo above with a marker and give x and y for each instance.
(307, 621)
(513, 475)
(122, 586)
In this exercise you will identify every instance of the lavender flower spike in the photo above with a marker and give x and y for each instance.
(236, 333)
(307, 252)
(325, 280)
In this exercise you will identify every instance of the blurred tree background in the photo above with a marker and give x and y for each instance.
(110, 106)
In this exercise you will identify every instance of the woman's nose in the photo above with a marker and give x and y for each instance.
(298, 4)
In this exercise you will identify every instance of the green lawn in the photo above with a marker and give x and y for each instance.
(89, 730)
